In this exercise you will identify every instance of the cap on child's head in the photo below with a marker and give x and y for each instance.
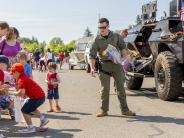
(4, 59)
(16, 67)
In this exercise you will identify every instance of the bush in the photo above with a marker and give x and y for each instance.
(62, 48)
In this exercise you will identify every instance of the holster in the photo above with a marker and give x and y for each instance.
(100, 70)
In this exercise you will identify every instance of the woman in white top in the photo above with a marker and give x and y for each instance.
(49, 56)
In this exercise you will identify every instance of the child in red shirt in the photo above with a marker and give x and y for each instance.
(29, 88)
(52, 81)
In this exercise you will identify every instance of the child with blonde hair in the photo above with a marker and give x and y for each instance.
(53, 81)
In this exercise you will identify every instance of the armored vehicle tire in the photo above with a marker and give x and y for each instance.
(71, 67)
(134, 83)
(88, 68)
(168, 76)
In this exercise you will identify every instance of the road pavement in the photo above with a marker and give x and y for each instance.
(80, 101)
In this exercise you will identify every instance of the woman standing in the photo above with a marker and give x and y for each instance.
(10, 46)
(49, 56)
(42, 63)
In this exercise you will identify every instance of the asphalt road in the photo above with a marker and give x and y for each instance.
(80, 100)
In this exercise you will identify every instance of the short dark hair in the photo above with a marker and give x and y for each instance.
(48, 50)
(103, 20)
(4, 25)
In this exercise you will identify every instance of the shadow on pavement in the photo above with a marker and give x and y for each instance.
(9, 130)
(157, 119)
(76, 113)
(152, 119)
(152, 94)
(180, 100)
(147, 92)
(53, 116)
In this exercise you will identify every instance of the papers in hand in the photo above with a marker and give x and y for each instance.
(113, 54)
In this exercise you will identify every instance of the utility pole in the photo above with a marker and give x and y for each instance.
(178, 10)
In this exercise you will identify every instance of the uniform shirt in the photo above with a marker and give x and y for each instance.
(100, 45)
(32, 89)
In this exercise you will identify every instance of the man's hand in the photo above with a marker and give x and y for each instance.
(93, 72)
(92, 65)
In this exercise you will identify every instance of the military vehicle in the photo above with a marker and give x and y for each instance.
(160, 45)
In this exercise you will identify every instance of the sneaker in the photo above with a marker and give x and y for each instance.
(28, 130)
(51, 110)
(12, 117)
(44, 122)
(102, 114)
(58, 108)
(129, 113)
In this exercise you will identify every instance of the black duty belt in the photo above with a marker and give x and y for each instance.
(107, 60)
(107, 73)
(100, 67)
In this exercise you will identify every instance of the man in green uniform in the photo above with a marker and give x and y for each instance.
(109, 68)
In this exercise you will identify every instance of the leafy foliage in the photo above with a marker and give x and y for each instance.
(62, 48)
(56, 41)
(56, 45)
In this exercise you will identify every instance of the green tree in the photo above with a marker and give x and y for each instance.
(25, 40)
(56, 41)
(63, 48)
(34, 40)
(87, 32)
(42, 45)
(30, 46)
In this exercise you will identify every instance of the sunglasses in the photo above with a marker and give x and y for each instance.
(102, 28)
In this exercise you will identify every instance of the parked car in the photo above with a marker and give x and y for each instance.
(77, 57)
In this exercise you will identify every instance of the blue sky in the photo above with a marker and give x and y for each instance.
(68, 19)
